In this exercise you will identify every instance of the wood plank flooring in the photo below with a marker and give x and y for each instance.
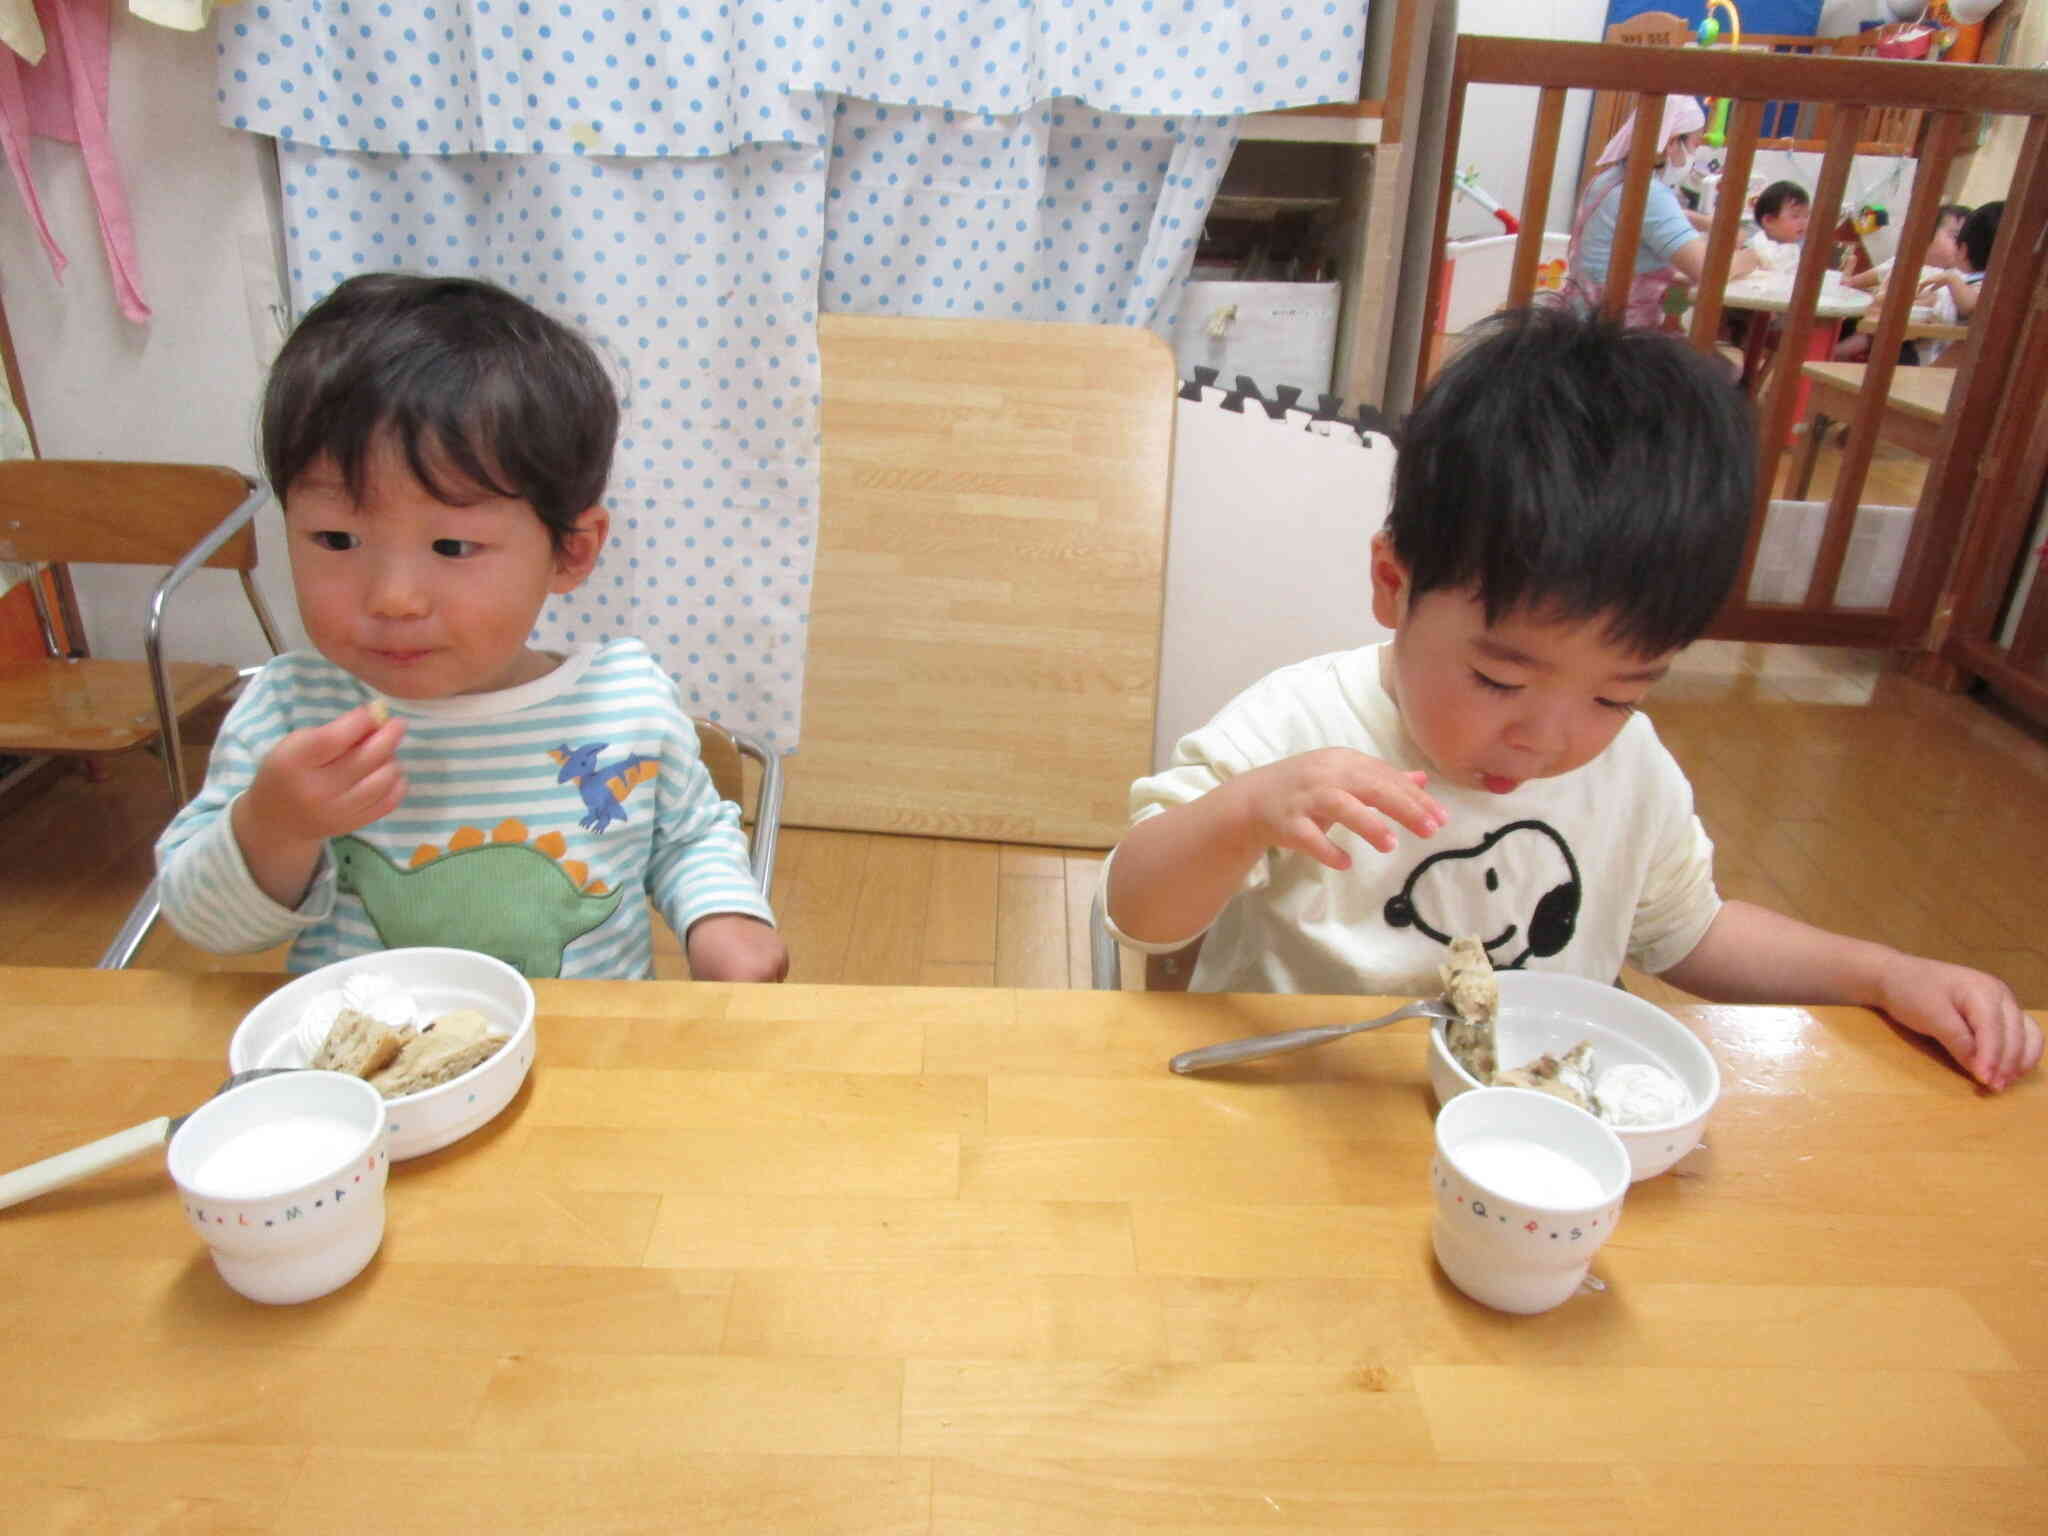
(1834, 788)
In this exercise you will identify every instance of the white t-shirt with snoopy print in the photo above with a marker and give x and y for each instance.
(1577, 873)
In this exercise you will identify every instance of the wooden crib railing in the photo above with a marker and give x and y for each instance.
(1997, 398)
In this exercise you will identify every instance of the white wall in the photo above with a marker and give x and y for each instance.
(1500, 120)
(184, 384)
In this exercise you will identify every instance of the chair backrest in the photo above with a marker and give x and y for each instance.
(722, 751)
(84, 511)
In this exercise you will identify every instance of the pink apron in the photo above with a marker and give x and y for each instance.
(1645, 307)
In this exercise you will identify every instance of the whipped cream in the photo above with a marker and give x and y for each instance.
(1635, 1093)
(368, 992)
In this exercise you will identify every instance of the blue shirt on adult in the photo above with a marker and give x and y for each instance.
(1665, 228)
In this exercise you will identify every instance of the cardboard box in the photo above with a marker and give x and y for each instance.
(1274, 333)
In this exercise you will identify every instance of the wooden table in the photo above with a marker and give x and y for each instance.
(1770, 294)
(1915, 406)
(894, 1260)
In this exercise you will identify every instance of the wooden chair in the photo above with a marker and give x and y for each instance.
(82, 512)
(723, 752)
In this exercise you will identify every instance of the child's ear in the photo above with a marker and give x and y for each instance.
(1389, 584)
(580, 547)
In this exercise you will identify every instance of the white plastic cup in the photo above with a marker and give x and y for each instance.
(284, 1179)
(1527, 1188)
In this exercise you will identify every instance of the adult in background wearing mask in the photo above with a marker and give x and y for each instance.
(1672, 247)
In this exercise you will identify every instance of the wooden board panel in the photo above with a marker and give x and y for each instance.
(984, 635)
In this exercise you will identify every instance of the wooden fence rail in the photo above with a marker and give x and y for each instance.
(1849, 95)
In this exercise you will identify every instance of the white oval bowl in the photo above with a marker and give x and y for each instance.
(440, 981)
(1546, 1011)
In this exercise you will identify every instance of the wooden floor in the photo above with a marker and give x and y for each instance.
(1835, 789)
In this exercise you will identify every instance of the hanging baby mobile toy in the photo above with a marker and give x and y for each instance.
(1709, 34)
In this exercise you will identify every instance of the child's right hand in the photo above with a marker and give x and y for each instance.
(1295, 802)
(329, 779)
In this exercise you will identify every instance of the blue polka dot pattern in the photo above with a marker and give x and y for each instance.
(1057, 213)
(1152, 57)
(659, 81)
(697, 279)
(690, 184)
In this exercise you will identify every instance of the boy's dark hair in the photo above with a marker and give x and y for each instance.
(1574, 470)
(478, 389)
(1957, 211)
(1775, 198)
(1979, 232)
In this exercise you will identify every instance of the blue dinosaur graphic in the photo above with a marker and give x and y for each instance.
(602, 785)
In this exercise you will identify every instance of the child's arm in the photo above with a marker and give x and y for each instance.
(208, 882)
(1754, 955)
(699, 875)
(1173, 872)
(1962, 293)
(322, 782)
(729, 946)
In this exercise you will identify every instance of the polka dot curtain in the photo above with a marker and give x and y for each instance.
(691, 184)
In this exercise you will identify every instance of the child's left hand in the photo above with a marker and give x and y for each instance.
(1976, 1017)
(730, 946)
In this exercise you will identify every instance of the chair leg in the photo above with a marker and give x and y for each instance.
(134, 929)
(1105, 964)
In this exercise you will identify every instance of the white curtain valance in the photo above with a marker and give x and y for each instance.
(678, 80)
(1146, 57)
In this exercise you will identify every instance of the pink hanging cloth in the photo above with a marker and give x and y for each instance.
(65, 98)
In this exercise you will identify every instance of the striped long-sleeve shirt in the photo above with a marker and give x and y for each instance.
(538, 824)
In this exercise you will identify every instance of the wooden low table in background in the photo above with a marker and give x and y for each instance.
(820, 1259)
(1768, 299)
(1915, 406)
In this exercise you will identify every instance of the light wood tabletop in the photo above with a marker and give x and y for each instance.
(1914, 409)
(1772, 294)
(1918, 392)
(840, 1259)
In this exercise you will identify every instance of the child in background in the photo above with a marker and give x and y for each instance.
(1782, 210)
(1953, 293)
(440, 449)
(1943, 252)
(1570, 508)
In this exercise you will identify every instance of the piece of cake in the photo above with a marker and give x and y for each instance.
(1568, 1077)
(359, 1044)
(440, 1053)
(1470, 988)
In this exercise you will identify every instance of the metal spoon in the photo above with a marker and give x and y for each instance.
(82, 1162)
(1255, 1046)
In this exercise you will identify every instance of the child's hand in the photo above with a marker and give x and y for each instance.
(327, 780)
(1294, 803)
(730, 946)
(1974, 1016)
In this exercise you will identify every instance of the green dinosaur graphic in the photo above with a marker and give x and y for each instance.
(508, 900)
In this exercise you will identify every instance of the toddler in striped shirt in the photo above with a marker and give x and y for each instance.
(423, 774)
